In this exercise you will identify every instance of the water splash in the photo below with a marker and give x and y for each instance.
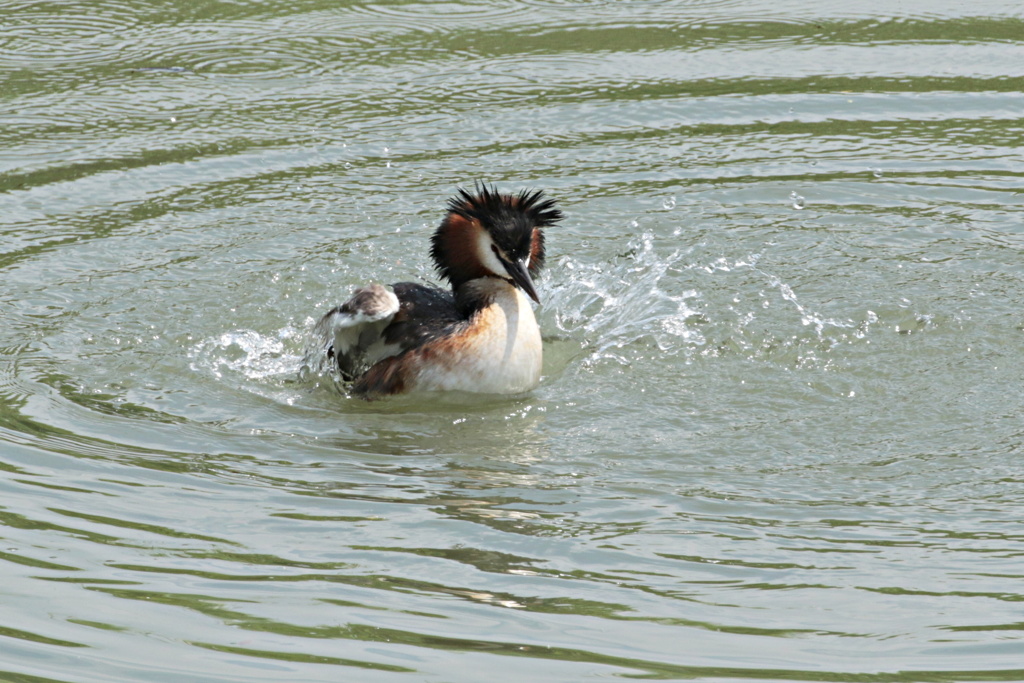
(807, 317)
(248, 354)
(631, 301)
(683, 303)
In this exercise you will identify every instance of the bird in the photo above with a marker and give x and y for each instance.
(479, 336)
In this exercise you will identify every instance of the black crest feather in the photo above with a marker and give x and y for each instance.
(489, 205)
(510, 219)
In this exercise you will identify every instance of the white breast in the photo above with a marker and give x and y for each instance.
(501, 353)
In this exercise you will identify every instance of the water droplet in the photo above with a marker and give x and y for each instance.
(174, 119)
(634, 225)
(877, 172)
(797, 200)
(668, 203)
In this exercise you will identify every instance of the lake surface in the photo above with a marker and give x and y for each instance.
(780, 433)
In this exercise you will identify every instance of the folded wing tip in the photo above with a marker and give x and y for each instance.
(374, 302)
(349, 336)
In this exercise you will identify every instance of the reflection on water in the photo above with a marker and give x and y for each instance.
(777, 436)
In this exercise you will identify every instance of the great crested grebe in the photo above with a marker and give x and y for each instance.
(481, 336)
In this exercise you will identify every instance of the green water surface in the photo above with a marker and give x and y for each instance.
(779, 434)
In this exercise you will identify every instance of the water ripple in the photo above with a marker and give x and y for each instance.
(781, 393)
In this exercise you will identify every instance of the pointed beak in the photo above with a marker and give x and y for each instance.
(521, 277)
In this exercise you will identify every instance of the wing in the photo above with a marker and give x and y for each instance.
(376, 324)
(351, 335)
(425, 313)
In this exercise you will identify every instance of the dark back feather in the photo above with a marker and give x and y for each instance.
(424, 313)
